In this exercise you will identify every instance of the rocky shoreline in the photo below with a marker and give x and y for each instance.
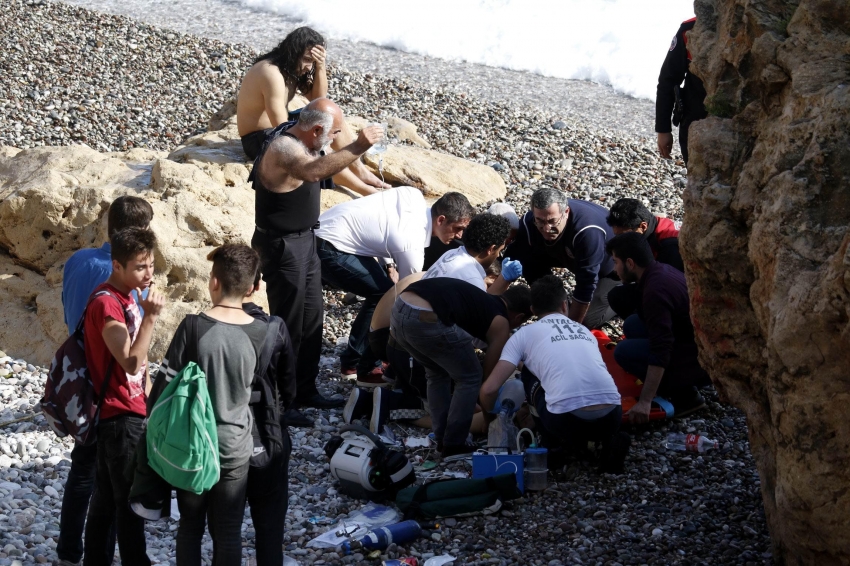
(75, 76)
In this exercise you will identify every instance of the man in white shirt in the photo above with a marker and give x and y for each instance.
(572, 396)
(394, 225)
(483, 241)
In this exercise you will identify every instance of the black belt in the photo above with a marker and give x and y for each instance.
(277, 234)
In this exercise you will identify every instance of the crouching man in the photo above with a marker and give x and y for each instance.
(572, 396)
(659, 347)
(436, 320)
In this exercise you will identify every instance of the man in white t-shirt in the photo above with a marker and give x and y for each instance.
(572, 396)
(483, 241)
(394, 226)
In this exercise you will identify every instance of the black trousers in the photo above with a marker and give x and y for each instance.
(116, 447)
(293, 276)
(683, 138)
(599, 311)
(268, 499)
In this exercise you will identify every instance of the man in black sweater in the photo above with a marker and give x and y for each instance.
(659, 347)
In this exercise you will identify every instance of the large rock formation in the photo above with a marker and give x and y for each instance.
(766, 239)
(53, 201)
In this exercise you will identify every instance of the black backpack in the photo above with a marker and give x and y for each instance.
(266, 432)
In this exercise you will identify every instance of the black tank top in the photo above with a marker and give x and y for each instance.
(284, 213)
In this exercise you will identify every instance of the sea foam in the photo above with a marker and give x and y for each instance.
(621, 43)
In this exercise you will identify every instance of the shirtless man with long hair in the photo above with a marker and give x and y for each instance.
(296, 65)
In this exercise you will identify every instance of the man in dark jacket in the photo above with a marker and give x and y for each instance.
(568, 233)
(692, 96)
(659, 347)
(662, 235)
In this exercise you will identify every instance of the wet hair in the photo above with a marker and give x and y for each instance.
(544, 198)
(288, 53)
(126, 212)
(236, 267)
(505, 210)
(131, 242)
(485, 230)
(547, 294)
(454, 206)
(628, 213)
(518, 299)
(631, 245)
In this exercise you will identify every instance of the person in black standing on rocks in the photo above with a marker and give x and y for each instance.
(691, 97)
(288, 175)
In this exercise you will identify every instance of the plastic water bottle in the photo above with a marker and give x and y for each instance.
(380, 146)
(689, 442)
(379, 539)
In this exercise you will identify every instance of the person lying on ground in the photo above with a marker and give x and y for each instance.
(296, 65)
(396, 223)
(228, 347)
(662, 235)
(117, 343)
(574, 402)
(83, 272)
(659, 347)
(287, 178)
(483, 241)
(568, 233)
(435, 320)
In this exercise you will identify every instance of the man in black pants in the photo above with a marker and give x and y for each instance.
(572, 403)
(692, 96)
(288, 176)
(570, 233)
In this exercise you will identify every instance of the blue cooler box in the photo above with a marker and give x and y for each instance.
(488, 465)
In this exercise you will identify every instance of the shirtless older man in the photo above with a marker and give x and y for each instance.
(297, 64)
(288, 176)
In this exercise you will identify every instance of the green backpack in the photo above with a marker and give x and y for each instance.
(181, 434)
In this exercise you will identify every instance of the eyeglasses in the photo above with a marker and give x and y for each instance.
(540, 223)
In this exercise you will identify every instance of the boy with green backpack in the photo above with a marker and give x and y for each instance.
(227, 348)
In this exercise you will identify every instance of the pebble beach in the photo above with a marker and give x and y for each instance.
(73, 75)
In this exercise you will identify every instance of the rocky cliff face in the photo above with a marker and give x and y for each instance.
(766, 240)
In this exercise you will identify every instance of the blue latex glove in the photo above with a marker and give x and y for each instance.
(511, 269)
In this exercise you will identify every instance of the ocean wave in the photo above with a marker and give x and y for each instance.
(621, 43)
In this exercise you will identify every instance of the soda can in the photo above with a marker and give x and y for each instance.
(409, 561)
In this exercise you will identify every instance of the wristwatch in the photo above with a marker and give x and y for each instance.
(390, 266)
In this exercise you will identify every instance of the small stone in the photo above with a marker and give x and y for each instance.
(657, 532)
(559, 125)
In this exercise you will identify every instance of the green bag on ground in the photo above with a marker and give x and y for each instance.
(454, 498)
(181, 435)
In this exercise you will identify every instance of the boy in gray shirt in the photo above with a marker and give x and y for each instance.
(229, 345)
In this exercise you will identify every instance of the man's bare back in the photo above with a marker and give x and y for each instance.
(264, 91)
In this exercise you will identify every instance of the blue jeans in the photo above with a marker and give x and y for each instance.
(633, 356)
(116, 449)
(448, 356)
(268, 498)
(633, 353)
(362, 276)
(224, 505)
(75, 505)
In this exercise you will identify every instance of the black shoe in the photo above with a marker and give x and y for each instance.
(684, 405)
(319, 401)
(614, 453)
(358, 406)
(294, 417)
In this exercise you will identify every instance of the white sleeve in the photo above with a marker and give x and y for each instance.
(514, 350)
(409, 262)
